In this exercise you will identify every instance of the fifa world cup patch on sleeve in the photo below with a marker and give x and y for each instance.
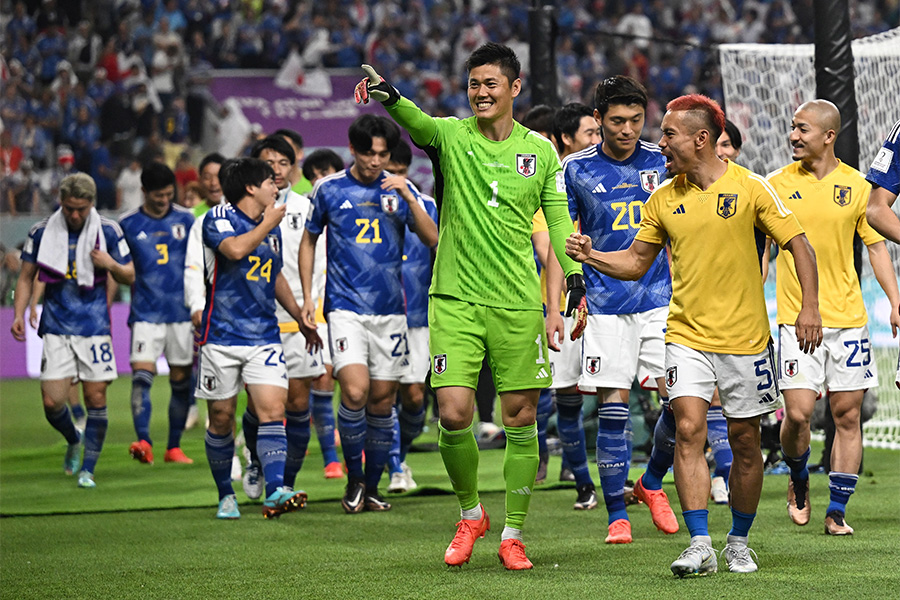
(224, 226)
(124, 250)
(439, 363)
(561, 182)
(882, 162)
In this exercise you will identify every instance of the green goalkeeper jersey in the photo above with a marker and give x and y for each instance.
(491, 191)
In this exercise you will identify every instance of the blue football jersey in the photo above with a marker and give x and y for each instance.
(885, 169)
(240, 297)
(607, 196)
(366, 227)
(416, 271)
(68, 308)
(158, 247)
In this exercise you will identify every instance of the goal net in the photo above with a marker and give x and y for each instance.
(763, 85)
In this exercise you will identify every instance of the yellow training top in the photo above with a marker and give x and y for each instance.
(830, 210)
(717, 237)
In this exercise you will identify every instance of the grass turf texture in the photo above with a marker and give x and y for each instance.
(150, 531)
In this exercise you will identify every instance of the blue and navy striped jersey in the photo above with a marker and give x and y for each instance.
(240, 297)
(158, 247)
(365, 231)
(68, 308)
(607, 196)
(416, 271)
(885, 169)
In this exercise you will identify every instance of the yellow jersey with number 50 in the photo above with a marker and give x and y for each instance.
(717, 237)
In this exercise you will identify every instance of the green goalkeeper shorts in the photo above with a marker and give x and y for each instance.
(460, 333)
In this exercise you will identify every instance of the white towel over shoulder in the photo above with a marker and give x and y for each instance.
(53, 254)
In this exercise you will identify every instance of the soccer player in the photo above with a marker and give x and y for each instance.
(485, 295)
(73, 252)
(608, 185)
(574, 129)
(416, 273)
(239, 334)
(157, 234)
(717, 332)
(730, 142)
(366, 212)
(829, 199)
(321, 163)
(884, 175)
(300, 184)
(302, 365)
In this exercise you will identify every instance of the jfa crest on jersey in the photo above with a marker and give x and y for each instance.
(389, 203)
(592, 364)
(294, 221)
(440, 363)
(526, 164)
(649, 181)
(842, 195)
(274, 243)
(727, 205)
(671, 376)
(179, 231)
(790, 368)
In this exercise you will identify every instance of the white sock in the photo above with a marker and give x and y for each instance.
(736, 539)
(473, 514)
(510, 533)
(705, 539)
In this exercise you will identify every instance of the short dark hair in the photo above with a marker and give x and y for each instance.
(157, 176)
(320, 160)
(402, 153)
(239, 173)
(619, 89)
(292, 135)
(275, 143)
(734, 134)
(369, 126)
(540, 119)
(492, 53)
(568, 120)
(215, 157)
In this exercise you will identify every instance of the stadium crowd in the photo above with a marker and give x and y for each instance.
(96, 86)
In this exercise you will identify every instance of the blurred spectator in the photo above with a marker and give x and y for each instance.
(128, 187)
(100, 88)
(103, 170)
(21, 23)
(33, 141)
(22, 190)
(192, 196)
(10, 154)
(85, 48)
(185, 173)
(10, 265)
(20, 78)
(13, 107)
(65, 166)
(82, 135)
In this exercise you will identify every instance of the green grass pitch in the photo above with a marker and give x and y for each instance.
(150, 532)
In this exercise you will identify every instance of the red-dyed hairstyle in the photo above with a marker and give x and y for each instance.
(714, 115)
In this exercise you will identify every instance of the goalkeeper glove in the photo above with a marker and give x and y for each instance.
(374, 86)
(576, 304)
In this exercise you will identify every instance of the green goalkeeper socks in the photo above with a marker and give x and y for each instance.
(520, 464)
(459, 451)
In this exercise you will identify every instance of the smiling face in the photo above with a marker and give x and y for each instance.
(209, 179)
(368, 165)
(157, 202)
(587, 134)
(678, 142)
(490, 92)
(622, 126)
(725, 149)
(809, 138)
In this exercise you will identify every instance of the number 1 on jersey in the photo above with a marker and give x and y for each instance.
(495, 187)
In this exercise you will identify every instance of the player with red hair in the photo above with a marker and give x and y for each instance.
(713, 214)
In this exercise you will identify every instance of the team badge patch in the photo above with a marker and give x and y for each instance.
(592, 364)
(649, 180)
(671, 376)
(526, 164)
(440, 364)
(140, 347)
(293, 221)
(389, 203)
(209, 382)
(342, 344)
(790, 368)
(842, 195)
(274, 243)
(178, 231)
(727, 205)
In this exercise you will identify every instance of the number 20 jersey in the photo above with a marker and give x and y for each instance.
(240, 295)
(607, 196)
(158, 247)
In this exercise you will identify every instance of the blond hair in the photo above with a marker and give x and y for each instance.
(78, 185)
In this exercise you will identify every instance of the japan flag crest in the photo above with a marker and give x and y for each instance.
(389, 203)
(526, 164)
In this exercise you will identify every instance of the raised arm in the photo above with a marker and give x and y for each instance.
(423, 225)
(629, 264)
(240, 246)
(421, 127)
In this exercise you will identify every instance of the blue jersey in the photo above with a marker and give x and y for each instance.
(885, 169)
(416, 272)
(68, 308)
(158, 247)
(240, 297)
(366, 227)
(607, 196)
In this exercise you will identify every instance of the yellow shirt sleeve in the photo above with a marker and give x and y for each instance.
(539, 222)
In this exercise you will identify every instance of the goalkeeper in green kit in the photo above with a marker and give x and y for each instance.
(493, 174)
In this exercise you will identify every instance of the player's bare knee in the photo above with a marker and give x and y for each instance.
(221, 417)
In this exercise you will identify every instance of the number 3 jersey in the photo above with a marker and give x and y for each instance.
(365, 230)
(607, 196)
(158, 247)
(240, 295)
